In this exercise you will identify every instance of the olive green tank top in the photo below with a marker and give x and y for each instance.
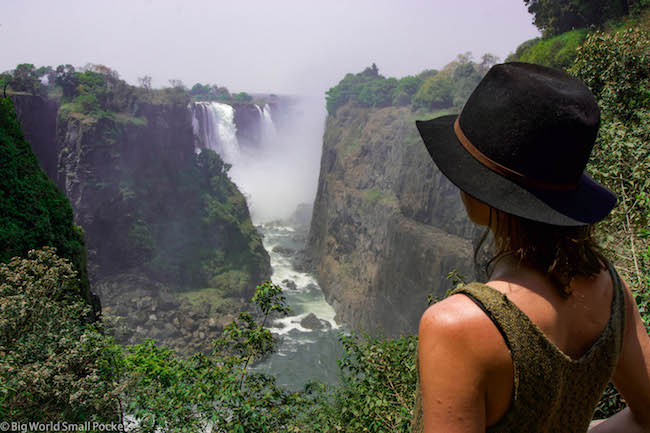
(552, 392)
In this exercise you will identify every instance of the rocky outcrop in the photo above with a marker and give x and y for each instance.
(387, 226)
(249, 124)
(136, 308)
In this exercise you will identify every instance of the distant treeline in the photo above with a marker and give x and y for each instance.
(430, 89)
(98, 90)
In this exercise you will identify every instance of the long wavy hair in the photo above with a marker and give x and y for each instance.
(563, 253)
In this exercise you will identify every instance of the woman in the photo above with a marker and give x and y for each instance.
(532, 349)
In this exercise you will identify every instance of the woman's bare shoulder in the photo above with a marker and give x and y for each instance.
(459, 322)
(460, 350)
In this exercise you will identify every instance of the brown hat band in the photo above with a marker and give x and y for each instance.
(505, 171)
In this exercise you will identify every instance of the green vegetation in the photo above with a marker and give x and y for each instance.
(557, 51)
(558, 16)
(35, 212)
(207, 92)
(54, 365)
(615, 67)
(376, 390)
(429, 90)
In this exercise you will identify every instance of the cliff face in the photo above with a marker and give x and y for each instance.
(34, 212)
(38, 118)
(387, 226)
(141, 194)
(159, 220)
(248, 122)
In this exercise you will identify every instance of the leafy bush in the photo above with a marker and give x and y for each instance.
(53, 365)
(615, 67)
(376, 389)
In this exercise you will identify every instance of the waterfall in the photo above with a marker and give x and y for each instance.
(269, 132)
(214, 124)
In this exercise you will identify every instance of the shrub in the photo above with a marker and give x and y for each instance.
(54, 366)
(376, 391)
(615, 67)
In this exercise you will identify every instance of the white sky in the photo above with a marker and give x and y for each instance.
(275, 46)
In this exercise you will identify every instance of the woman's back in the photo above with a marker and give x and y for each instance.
(544, 371)
(573, 323)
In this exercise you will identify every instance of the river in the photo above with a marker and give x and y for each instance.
(303, 353)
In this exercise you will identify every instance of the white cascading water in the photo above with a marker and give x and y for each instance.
(215, 125)
(268, 127)
(275, 176)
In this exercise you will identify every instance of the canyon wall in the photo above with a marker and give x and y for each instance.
(159, 219)
(387, 226)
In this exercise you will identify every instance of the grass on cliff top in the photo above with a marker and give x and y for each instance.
(75, 110)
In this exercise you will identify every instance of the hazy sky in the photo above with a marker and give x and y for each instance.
(278, 46)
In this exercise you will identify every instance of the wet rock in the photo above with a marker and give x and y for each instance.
(189, 324)
(289, 284)
(284, 250)
(312, 322)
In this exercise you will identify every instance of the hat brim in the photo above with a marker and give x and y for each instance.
(590, 202)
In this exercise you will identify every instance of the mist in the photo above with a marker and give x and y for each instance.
(283, 173)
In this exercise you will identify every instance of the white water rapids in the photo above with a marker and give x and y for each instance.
(275, 177)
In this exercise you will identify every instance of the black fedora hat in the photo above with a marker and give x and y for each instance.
(521, 144)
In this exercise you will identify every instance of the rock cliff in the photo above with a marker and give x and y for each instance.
(38, 118)
(159, 220)
(387, 226)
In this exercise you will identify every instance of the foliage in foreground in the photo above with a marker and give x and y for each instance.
(615, 67)
(376, 391)
(53, 366)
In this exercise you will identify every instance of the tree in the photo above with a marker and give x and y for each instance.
(25, 79)
(437, 92)
(48, 73)
(371, 71)
(200, 89)
(145, 82)
(54, 365)
(67, 78)
(487, 61)
(242, 97)
(177, 84)
(553, 17)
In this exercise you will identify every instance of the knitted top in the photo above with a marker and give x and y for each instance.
(552, 392)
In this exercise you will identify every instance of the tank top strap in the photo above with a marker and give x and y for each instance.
(507, 320)
(548, 384)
